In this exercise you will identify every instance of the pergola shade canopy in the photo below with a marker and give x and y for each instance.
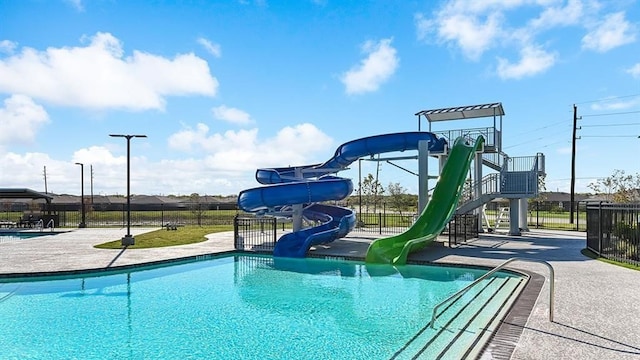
(7, 193)
(463, 112)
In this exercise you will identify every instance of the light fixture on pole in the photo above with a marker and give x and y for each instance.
(82, 224)
(128, 239)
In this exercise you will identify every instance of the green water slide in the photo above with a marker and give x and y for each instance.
(435, 216)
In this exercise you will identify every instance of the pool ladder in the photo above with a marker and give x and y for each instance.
(40, 224)
(461, 292)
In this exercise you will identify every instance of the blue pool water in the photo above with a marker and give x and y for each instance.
(233, 307)
(19, 235)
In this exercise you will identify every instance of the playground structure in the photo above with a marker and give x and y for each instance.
(295, 192)
(513, 178)
(301, 193)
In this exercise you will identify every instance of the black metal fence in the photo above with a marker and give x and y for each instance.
(115, 215)
(462, 227)
(260, 234)
(257, 234)
(384, 222)
(546, 215)
(613, 231)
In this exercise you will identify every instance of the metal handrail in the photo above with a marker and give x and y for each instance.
(51, 224)
(461, 292)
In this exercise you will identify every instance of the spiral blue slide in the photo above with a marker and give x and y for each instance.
(311, 185)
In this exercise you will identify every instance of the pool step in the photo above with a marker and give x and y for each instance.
(463, 326)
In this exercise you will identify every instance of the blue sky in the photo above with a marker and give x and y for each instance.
(222, 88)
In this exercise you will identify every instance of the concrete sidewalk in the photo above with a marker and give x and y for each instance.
(596, 304)
(74, 251)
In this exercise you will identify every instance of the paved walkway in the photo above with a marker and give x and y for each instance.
(597, 304)
(74, 251)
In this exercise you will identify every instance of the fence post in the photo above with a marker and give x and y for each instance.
(537, 214)
(578, 216)
(600, 228)
(380, 223)
(274, 226)
(235, 232)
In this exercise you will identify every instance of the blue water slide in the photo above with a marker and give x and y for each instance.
(311, 184)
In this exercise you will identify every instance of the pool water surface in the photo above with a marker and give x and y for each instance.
(232, 307)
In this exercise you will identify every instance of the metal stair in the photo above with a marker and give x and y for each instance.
(495, 161)
(490, 191)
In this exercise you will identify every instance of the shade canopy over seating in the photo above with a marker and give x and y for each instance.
(11, 193)
(17, 193)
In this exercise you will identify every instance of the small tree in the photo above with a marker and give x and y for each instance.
(195, 205)
(398, 197)
(372, 191)
(619, 187)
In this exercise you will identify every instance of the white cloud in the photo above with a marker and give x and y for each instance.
(634, 70)
(7, 46)
(243, 151)
(612, 32)
(379, 65)
(97, 155)
(213, 49)
(76, 4)
(554, 16)
(532, 61)
(232, 115)
(98, 76)
(475, 27)
(472, 34)
(20, 120)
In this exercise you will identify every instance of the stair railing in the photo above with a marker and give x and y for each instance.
(464, 290)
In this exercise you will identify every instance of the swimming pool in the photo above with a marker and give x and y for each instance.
(21, 235)
(237, 307)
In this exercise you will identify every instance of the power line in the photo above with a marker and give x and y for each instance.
(609, 136)
(627, 124)
(523, 143)
(526, 132)
(610, 114)
(607, 99)
(555, 143)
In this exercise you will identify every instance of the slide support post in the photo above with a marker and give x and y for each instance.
(524, 209)
(514, 212)
(423, 175)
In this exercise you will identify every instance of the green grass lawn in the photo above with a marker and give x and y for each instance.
(160, 238)
(591, 254)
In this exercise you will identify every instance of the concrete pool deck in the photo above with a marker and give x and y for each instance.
(596, 304)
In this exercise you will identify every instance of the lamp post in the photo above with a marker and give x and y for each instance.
(82, 224)
(128, 239)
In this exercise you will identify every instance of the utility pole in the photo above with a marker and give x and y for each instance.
(91, 167)
(573, 162)
(45, 179)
